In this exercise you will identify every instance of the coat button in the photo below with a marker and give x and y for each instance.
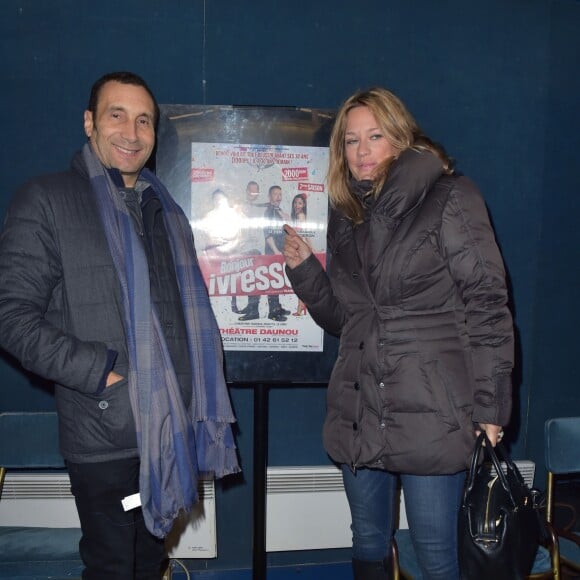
(382, 425)
(361, 345)
(381, 385)
(356, 387)
(355, 275)
(103, 405)
(354, 426)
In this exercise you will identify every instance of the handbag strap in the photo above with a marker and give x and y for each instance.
(491, 451)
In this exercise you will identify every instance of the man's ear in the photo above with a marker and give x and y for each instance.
(89, 123)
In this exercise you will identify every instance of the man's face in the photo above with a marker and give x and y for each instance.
(252, 191)
(122, 132)
(276, 197)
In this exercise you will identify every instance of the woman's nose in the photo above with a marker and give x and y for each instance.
(363, 148)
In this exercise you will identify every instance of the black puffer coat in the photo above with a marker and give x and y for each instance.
(417, 294)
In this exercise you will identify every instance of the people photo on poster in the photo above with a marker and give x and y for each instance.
(241, 196)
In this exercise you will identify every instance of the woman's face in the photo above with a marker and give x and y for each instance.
(365, 145)
(298, 205)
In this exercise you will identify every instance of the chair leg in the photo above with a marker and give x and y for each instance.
(395, 560)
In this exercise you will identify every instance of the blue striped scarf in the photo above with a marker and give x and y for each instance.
(174, 447)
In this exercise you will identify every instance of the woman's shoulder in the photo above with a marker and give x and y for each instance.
(463, 198)
(457, 186)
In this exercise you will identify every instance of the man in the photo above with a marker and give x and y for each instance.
(251, 242)
(274, 234)
(99, 292)
(221, 226)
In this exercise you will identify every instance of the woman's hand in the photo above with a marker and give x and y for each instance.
(296, 250)
(494, 432)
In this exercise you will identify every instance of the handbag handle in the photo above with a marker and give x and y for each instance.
(482, 437)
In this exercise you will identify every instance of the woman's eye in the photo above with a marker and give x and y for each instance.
(376, 136)
(350, 141)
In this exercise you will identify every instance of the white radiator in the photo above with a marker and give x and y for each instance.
(307, 507)
(44, 500)
(306, 510)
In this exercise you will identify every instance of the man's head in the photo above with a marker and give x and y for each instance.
(275, 195)
(219, 199)
(252, 190)
(120, 123)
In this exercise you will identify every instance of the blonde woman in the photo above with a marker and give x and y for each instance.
(416, 290)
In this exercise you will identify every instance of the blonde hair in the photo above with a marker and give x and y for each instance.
(399, 127)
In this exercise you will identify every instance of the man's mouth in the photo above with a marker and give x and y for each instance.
(127, 152)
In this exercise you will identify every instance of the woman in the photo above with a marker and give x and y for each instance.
(298, 215)
(416, 291)
(299, 209)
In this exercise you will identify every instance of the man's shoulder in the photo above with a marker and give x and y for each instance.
(53, 180)
(56, 183)
(76, 171)
(54, 190)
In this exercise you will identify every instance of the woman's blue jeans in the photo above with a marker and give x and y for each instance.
(432, 505)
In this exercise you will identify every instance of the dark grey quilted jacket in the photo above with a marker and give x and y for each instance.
(418, 296)
(61, 312)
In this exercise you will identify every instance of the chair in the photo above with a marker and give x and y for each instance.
(29, 441)
(562, 456)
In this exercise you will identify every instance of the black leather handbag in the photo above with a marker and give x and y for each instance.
(499, 524)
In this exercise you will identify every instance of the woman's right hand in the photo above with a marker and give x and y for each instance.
(296, 250)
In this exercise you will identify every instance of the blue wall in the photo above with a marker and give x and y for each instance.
(497, 82)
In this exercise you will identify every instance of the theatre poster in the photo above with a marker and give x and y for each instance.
(241, 196)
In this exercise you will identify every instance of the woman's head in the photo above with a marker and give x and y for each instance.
(371, 129)
(390, 116)
(299, 205)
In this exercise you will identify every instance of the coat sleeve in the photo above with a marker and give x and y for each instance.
(311, 284)
(30, 275)
(477, 268)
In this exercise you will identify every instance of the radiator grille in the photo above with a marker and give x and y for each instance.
(57, 486)
(304, 480)
(320, 479)
(525, 467)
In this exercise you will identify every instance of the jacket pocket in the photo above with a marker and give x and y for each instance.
(442, 392)
(116, 415)
(98, 424)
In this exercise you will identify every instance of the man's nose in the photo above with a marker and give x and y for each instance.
(129, 131)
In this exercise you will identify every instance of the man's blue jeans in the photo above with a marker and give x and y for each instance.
(432, 504)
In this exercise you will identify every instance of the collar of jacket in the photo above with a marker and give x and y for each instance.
(410, 178)
(78, 165)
